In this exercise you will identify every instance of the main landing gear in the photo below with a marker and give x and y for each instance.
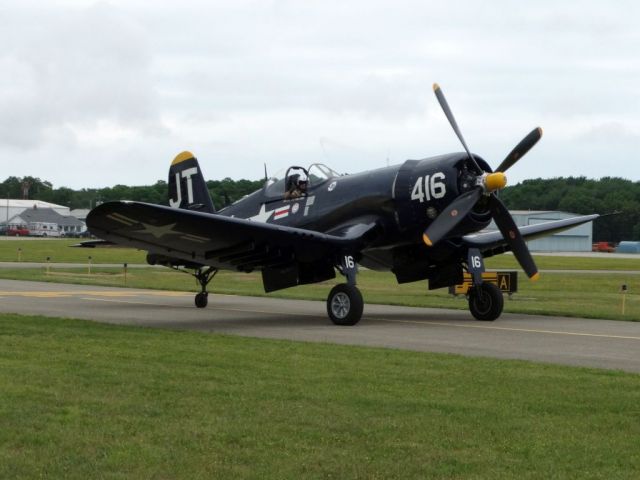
(485, 299)
(344, 303)
(203, 276)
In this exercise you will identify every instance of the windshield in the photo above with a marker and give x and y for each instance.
(318, 173)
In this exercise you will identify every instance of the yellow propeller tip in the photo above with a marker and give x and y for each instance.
(436, 87)
(540, 130)
(535, 277)
(427, 240)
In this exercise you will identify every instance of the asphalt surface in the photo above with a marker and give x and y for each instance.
(571, 341)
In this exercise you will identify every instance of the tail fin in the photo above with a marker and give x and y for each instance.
(187, 188)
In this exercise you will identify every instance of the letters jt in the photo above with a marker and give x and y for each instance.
(187, 174)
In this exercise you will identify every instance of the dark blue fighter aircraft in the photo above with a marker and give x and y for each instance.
(422, 220)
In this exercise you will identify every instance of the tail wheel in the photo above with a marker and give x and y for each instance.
(345, 304)
(202, 299)
(485, 301)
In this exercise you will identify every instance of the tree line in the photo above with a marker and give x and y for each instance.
(222, 192)
(617, 198)
(578, 195)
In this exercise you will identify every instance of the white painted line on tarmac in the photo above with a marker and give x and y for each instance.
(511, 329)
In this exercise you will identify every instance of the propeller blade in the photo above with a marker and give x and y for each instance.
(450, 216)
(511, 234)
(520, 150)
(452, 121)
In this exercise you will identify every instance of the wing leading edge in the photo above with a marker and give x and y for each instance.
(492, 243)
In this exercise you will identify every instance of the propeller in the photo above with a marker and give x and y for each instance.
(520, 150)
(486, 185)
(449, 114)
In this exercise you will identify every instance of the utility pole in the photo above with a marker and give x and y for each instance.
(26, 185)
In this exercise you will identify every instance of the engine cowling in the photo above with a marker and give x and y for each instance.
(424, 187)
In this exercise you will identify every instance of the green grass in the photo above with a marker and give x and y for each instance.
(59, 251)
(37, 250)
(552, 262)
(85, 400)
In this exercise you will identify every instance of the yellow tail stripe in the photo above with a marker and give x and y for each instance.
(181, 157)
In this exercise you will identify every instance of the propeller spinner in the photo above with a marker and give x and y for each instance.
(487, 183)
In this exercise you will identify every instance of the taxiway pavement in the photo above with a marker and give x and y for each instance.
(571, 341)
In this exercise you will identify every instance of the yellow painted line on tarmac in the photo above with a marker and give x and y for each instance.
(136, 302)
(511, 329)
(97, 293)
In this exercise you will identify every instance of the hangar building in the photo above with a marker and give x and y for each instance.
(577, 239)
(9, 208)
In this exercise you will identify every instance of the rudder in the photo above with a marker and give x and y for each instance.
(187, 188)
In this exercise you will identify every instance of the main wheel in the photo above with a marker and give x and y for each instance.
(345, 304)
(202, 299)
(485, 301)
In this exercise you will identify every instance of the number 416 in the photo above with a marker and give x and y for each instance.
(429, 187)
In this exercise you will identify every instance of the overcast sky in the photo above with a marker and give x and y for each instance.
(96, 94)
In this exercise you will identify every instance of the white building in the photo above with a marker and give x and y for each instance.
(47, 222)
(9, 208)
(577, 239)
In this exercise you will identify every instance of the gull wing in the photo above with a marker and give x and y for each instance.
(216, 240)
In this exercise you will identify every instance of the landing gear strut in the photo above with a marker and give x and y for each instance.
(204, 276)
(344, 303)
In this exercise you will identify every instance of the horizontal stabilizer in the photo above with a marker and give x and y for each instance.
(97, 244)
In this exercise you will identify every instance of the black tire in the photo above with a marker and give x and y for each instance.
(486, 302)
(202, 299)
(345, 304)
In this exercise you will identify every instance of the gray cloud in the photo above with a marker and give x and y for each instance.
(75, 68)
(246, 82)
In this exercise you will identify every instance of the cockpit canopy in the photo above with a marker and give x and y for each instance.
(282, 181)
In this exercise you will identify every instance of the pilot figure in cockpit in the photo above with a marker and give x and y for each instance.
(297, 187)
